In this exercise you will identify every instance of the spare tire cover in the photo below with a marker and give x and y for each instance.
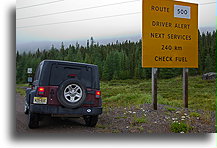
(71, 93)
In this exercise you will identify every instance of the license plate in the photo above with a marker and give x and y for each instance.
(40, 100)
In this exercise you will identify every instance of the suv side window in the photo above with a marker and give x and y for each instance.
(37, 74)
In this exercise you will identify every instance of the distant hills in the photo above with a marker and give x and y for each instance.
(33, 46)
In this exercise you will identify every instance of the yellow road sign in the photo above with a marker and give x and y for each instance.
(170, 34)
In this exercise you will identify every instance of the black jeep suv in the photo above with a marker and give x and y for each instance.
(64, 88)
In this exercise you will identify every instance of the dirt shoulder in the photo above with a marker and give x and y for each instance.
(144, 119)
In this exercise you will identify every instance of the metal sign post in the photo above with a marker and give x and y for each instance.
(154, 88)
(185, 87)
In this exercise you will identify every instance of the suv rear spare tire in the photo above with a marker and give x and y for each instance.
(71, 93)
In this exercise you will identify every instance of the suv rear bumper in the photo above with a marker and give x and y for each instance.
(47, 109)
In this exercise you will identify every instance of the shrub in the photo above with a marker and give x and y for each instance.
(194, 114)
(179, 127)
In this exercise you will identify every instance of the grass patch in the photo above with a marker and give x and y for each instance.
(170, 109)
(194, 114)
(139, 120)
(180, 127)
(135, 92)
(127, 99)
(20, 89)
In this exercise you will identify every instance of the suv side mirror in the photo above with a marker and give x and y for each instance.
(35, 83)
(30, 78)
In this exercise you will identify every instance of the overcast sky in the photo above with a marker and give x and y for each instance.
(119, 26)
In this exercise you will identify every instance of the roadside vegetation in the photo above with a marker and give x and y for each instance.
(126, 93)
(132, 95)
(134, 98)
(180, 127)
(20, 89)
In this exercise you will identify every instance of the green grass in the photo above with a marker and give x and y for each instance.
(127, 99)
(134, 92)
(180, 127)
(140, 120)
(194, 114)
(20, 89)
(170, 109)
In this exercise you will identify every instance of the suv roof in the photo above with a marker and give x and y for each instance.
(49, 71)
(67, 62)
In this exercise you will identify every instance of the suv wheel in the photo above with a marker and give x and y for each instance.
(91, 121)
(33, 120)
(71, 93)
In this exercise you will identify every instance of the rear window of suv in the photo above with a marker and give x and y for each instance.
(62, 72)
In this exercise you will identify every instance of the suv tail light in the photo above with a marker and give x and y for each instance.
(41, 90)
(98, 94)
